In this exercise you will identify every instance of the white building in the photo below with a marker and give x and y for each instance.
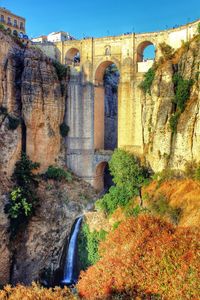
(59, 36)
(40, 39)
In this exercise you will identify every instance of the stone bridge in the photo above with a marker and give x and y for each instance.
(85, 104)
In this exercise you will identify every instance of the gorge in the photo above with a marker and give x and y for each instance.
(102, 111)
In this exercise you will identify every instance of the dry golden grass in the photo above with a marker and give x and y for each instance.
(35, 292)
(184, 194)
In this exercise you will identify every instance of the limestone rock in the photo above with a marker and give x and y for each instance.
(163, 149)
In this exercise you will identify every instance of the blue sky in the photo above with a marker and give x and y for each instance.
(101, 18)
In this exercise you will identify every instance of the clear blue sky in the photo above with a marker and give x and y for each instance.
(101, 18)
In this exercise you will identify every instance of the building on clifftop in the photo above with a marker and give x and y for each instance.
(11, 21)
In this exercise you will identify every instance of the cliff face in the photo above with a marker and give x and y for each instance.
(29, 90)
(162, 148)
(42, 108)
(10, 71)
(31, 95)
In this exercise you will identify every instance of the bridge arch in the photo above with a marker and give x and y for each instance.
(144, 63)
(102, 112)
(72, 57)
(102, 179)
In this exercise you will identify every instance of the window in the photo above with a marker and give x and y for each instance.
(15, 23)
(21, 25)
(2, 18)
(9, 21)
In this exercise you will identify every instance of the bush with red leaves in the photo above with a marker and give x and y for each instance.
(145, 257)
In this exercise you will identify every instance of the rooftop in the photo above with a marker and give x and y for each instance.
(10, 12)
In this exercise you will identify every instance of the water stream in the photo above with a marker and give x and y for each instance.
(70, 270)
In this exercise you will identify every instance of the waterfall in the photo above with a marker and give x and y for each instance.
(70, 276)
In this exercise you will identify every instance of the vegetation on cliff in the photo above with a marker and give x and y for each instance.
(145, 256)
(22, 200)
(128, 176)
(182, 89)
(88, 243)
(147, 82)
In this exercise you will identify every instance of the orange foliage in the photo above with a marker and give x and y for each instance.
(145, 256)
(184, 194)
(35, 292)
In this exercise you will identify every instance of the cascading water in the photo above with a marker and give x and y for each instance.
(70, 275)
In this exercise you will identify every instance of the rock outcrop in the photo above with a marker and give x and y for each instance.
(30, 91)
(163, 148)
(32, 107)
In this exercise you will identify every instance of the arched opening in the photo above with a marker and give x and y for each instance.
(106, 106)
(146, 53)
(72, 57)
(103, 179)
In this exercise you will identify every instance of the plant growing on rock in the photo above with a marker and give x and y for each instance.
(61, 70)
(146, 84)
(182, 88)
(22, 201)
(57, 173)
(88, 243)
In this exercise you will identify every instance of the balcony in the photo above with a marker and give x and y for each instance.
(9, 23)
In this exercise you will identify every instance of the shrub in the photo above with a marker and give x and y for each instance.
(2, 28)
(61, 70)
(13, 122)
(145, 257)
(134, 211)
(198, 28)
(146, 84)
(182, 89)
(128, 177)
(191, 168)
(173, 121)
(22, 201)
(34, 292)
(166, 50)
(116, 197)
(197, 173)
(88, 243)
(64, 129)
(167, 174)
(126, 171)
(57, 173)
(161, 207)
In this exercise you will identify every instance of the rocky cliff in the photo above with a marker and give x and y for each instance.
(164, 148)
(32, 107)
(30, 94)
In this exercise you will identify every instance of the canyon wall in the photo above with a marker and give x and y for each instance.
(31, 93)
(164, 148)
